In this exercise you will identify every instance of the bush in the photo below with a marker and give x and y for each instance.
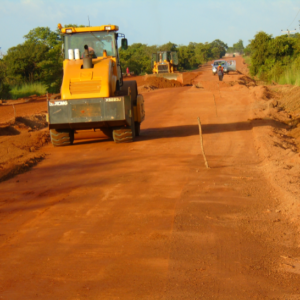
(28, 89)
(4, 91)
(291, 75)
(247, 60)
(271, 57)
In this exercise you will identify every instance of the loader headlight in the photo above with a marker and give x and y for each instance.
(107, 27)
(68, 30)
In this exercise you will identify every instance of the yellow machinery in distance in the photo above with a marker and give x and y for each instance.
(164, 64)
(93, 94)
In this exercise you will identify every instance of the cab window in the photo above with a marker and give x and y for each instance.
(97, 42)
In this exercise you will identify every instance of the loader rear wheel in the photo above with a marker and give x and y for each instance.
(61, 137)
(123, 135)
(137, 128)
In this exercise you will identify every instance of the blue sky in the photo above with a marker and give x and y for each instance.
(153, 21)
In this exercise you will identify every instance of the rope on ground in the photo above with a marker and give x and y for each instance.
(14, 113)
(201, 142)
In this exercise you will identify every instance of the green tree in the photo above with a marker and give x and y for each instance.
(4, 87)
(168, 47)
(259, 46)
(23, 62)
(43, 35)
(271, 56)
(137, 58)
(237, 47)
(221, 46)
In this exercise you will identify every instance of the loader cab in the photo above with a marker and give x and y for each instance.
(97, 41)
(167, 56)
(97, 38)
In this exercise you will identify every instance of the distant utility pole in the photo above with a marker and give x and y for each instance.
(288, 31)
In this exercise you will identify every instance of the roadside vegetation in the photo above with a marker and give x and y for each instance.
(291, 75)
(138, 56)
(28, 89)
(33, 65)
(247, 60)
(275, 59)
(36, 65)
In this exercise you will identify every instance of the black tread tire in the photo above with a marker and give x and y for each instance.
(123, 135)
(61, 137)
(137, 128)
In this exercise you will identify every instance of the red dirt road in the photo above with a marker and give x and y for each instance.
(146, 220)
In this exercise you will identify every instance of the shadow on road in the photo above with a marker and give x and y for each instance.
(189, 130)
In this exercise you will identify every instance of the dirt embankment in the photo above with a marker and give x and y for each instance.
(276, 126)
(149, 83)
(22, 133)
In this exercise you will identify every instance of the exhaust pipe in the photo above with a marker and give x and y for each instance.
(87, 58)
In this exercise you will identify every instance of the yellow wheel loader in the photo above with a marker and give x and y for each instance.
(93, 94)
(164, 64)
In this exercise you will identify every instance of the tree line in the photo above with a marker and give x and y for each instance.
(40, 58)
(138, 56)
(272, 56)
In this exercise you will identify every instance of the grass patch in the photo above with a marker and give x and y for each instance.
(290, 76)
(247, 60)
(28, 89)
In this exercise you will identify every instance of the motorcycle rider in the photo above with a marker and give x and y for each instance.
(220, 72)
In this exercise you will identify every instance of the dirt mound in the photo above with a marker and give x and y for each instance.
(20, 144)
(8, 113)
(262, 93)
(161, 83)
(290, 100)
(35, 122)
(247, 81)
(289, 104)
(146, 88)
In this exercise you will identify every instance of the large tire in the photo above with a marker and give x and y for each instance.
(133, 88)
(62, 137)
(124, 135)
(137, 128)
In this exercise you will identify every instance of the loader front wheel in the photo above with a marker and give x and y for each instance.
(61, 137)
(124, 135)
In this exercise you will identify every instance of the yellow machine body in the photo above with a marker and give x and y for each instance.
(165, 68)
(99, 81)
(93, 94)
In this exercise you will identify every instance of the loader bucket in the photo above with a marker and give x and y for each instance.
(169, 76)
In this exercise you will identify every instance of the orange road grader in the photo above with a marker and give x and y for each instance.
(93, 94)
